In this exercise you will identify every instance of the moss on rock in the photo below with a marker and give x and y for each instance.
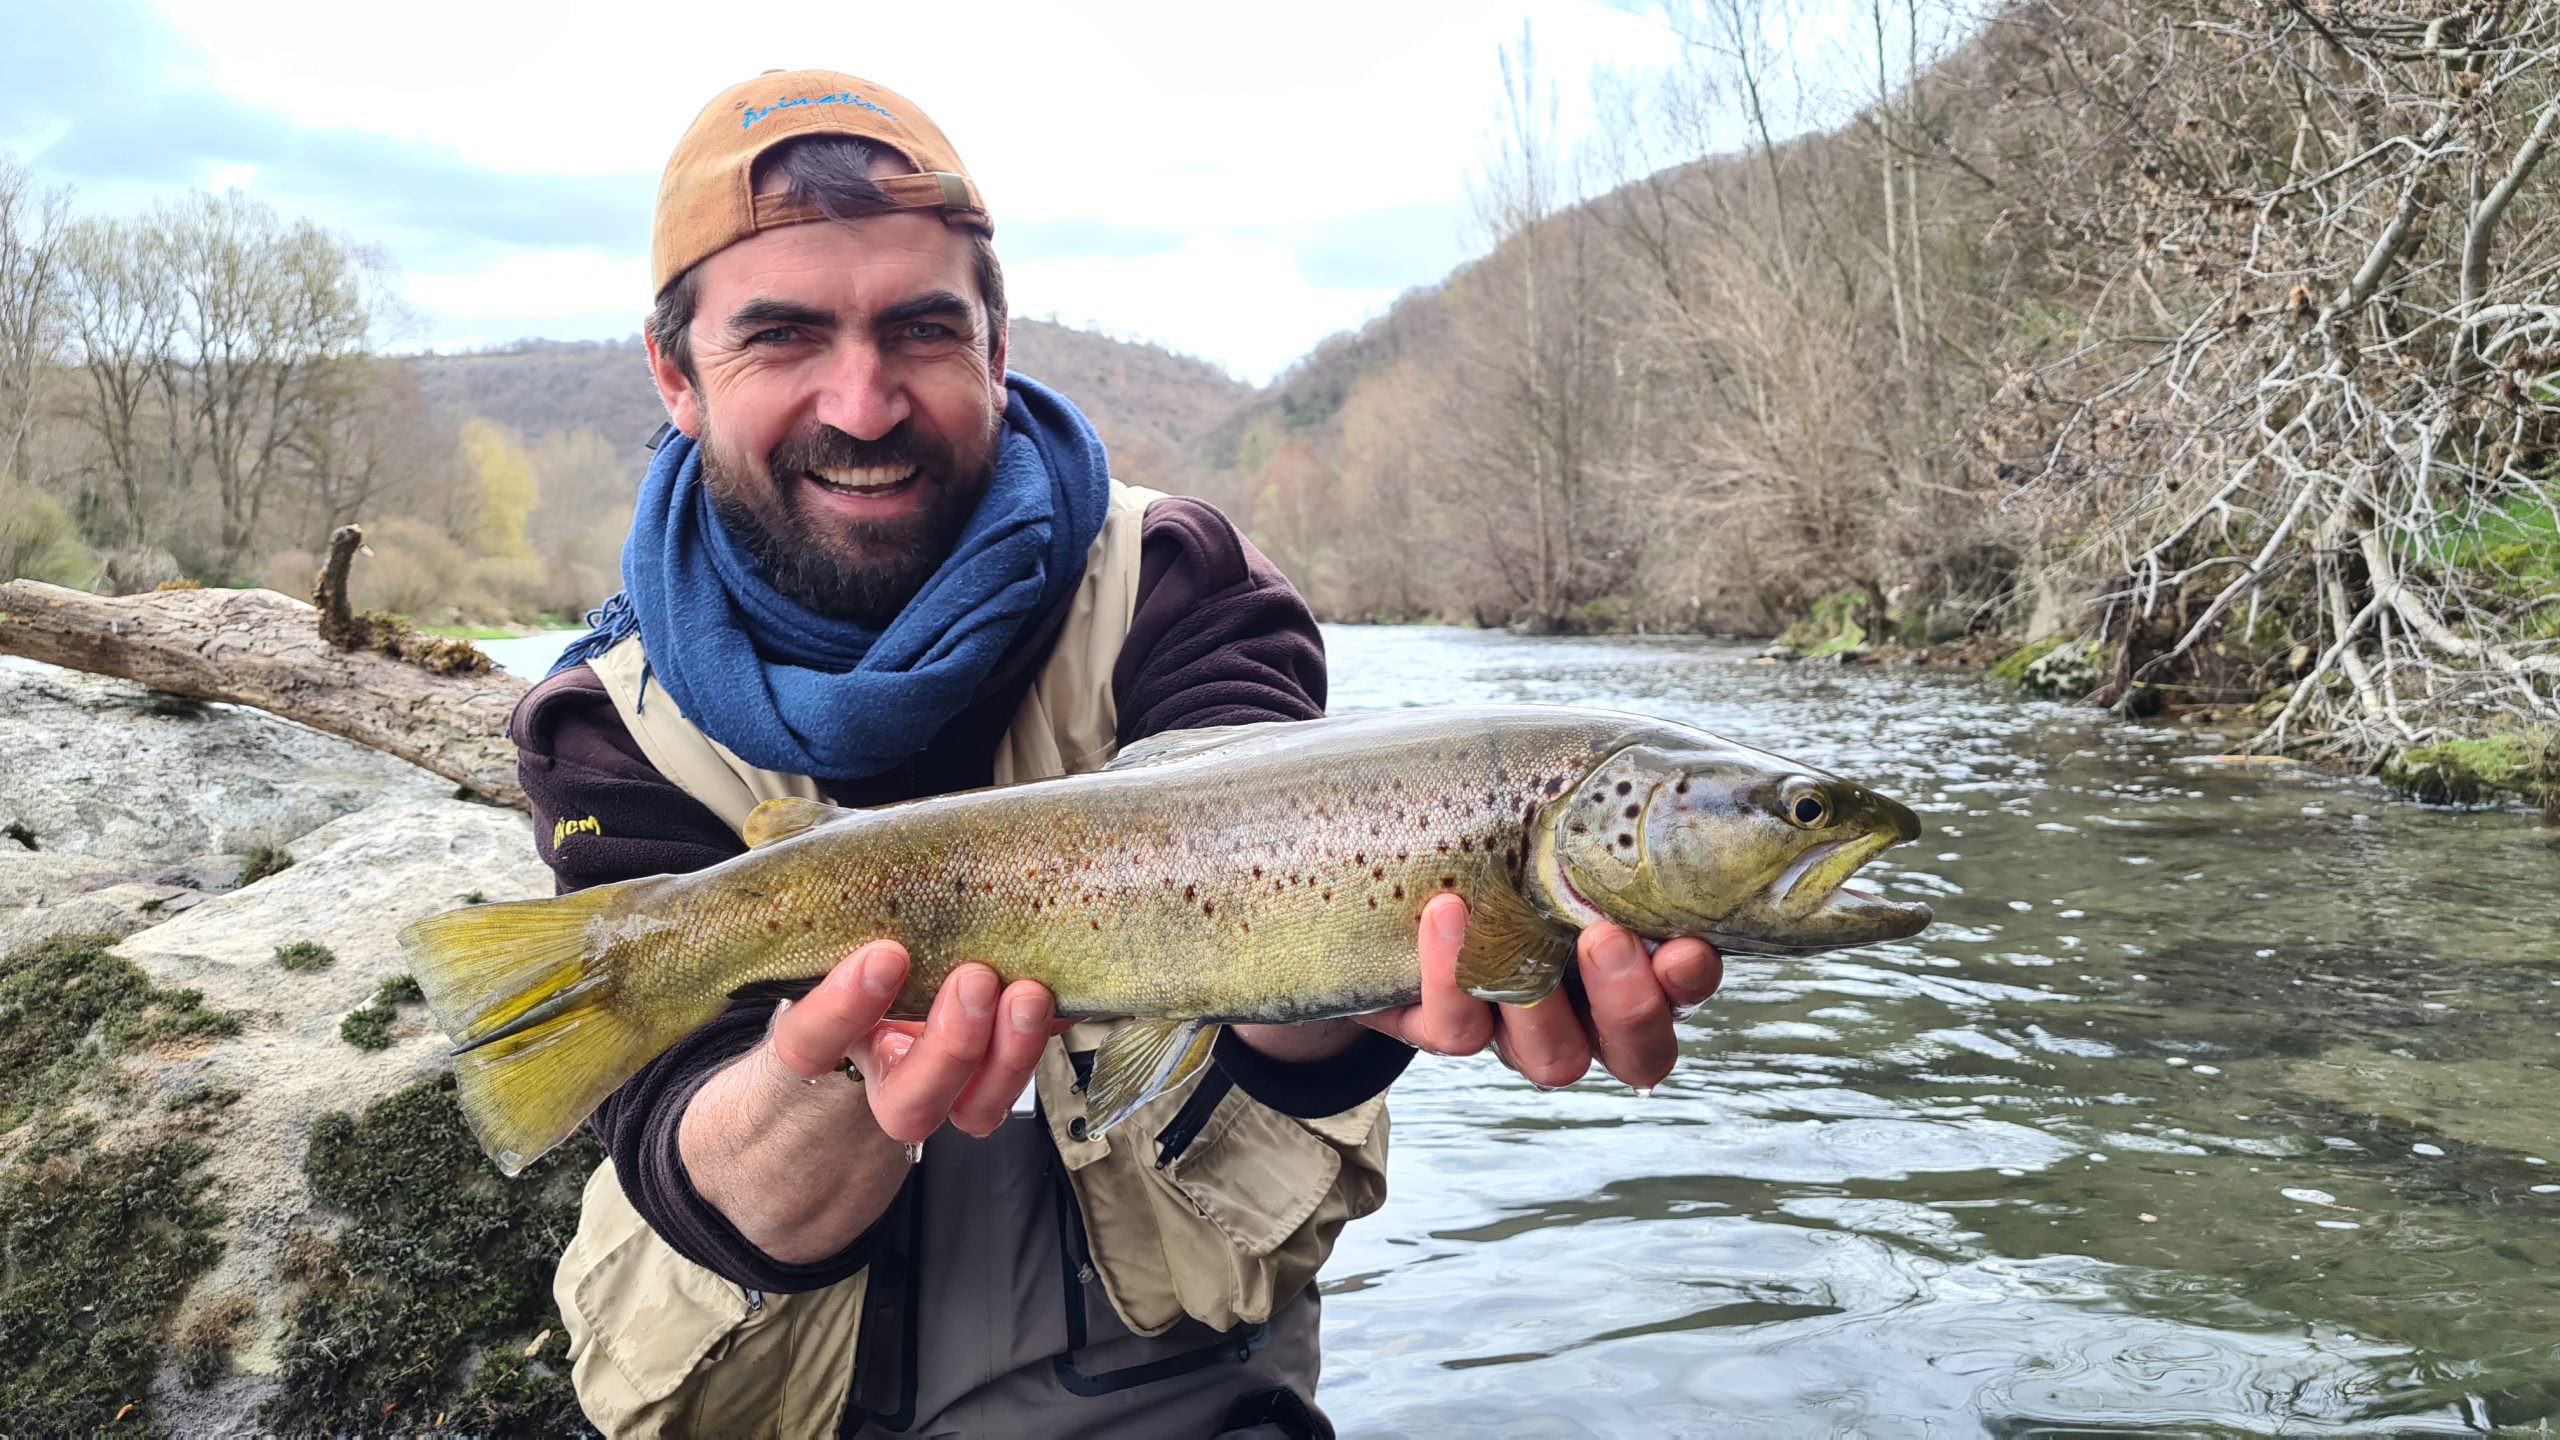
(102, 1242)
(2011, 668)
(2510, 766)
(305, 955)
(422, 1302)
(66, 1004)
(369, 1026)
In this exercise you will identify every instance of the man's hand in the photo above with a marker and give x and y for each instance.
(802, 1159)
(1629, 1000)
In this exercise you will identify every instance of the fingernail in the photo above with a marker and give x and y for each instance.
(880, 975)
(1449, 923)
(1026, 1018)
(1620, 955)
(977, 996)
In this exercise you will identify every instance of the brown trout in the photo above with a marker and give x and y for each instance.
(1256, 873)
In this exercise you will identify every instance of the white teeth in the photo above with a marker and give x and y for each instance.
(871, 477)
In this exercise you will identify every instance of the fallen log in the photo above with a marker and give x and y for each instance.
(262, 649)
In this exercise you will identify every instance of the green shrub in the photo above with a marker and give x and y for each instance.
(38, 541)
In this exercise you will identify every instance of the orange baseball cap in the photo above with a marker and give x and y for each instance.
(707, 200)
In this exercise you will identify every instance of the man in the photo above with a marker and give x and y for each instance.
(871, 565)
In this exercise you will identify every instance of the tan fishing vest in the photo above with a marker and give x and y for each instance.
(1226, 1233)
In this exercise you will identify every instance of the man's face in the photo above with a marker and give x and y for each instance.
(847, 404)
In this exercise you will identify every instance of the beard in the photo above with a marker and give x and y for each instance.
(862, 571)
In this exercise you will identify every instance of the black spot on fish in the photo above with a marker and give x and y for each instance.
(1377, 872)
(1468, 845)
(1628, 840)
(1399, 892)
(1488, 797)
(1634, 810)
(1682, 788)
(893, 905)
(959, 886)
(1444, 847)
(1096, 924)
(1257, 872)
(1359, 858)
(1448, 882)
(1578, 828)
(1625, 785)
(1554, 785)
(1373, 902)
(1190, 892)
(1208, 909)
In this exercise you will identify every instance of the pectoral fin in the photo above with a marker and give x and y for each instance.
(785, 816)
(1139, 1061)
(1512, 954)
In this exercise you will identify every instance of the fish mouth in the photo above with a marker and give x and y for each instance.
(1812, 907)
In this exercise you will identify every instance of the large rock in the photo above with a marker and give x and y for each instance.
(106, 768)
(353, 883)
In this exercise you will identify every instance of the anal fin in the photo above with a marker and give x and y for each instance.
(1139, 1061)
(1512, 954)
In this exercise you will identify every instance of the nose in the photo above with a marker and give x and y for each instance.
(860, 393)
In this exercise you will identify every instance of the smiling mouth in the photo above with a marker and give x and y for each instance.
(870, 482)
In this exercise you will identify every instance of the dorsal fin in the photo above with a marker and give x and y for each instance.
(1181, 744)
(785, 816)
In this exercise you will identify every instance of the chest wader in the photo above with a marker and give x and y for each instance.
(1201, 1221)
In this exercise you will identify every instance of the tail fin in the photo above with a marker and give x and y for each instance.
(542, 1030)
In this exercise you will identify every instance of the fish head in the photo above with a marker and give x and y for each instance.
(1692, 835)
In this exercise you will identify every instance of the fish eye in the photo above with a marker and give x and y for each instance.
(1808, 809)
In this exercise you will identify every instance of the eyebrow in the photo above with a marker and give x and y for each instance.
(761, 314)
(930, 305)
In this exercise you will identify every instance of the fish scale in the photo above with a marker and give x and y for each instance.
(1260, 873)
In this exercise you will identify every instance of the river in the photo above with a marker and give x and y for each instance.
(2218, 1100)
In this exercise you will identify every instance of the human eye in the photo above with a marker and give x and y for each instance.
(778, 335)
(927, 331)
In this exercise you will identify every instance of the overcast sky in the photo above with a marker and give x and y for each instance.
(1232, 182)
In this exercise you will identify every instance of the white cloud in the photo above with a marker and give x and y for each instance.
(1221, 126)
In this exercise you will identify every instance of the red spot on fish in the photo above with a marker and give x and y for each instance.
(1328, 895)
(1096, 924)
(1377, 872)
(1208, 909)
(773, 927)
(1373, 902)
(1190, 892)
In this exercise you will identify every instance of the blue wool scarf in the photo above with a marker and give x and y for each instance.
(796, 692)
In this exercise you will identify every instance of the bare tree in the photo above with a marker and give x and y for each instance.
(33, 225)
(2314, 392)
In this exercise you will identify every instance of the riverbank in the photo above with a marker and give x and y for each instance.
(228, 1128)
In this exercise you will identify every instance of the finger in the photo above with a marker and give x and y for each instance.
(1630, 1019)
(1544, 1042)
(1021, 1032)
(1453, 1022)
(912, 1098)
(1689, 971)
(1404, 1022)
(813, 1034)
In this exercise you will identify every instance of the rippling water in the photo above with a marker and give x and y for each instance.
(2217, 1101)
